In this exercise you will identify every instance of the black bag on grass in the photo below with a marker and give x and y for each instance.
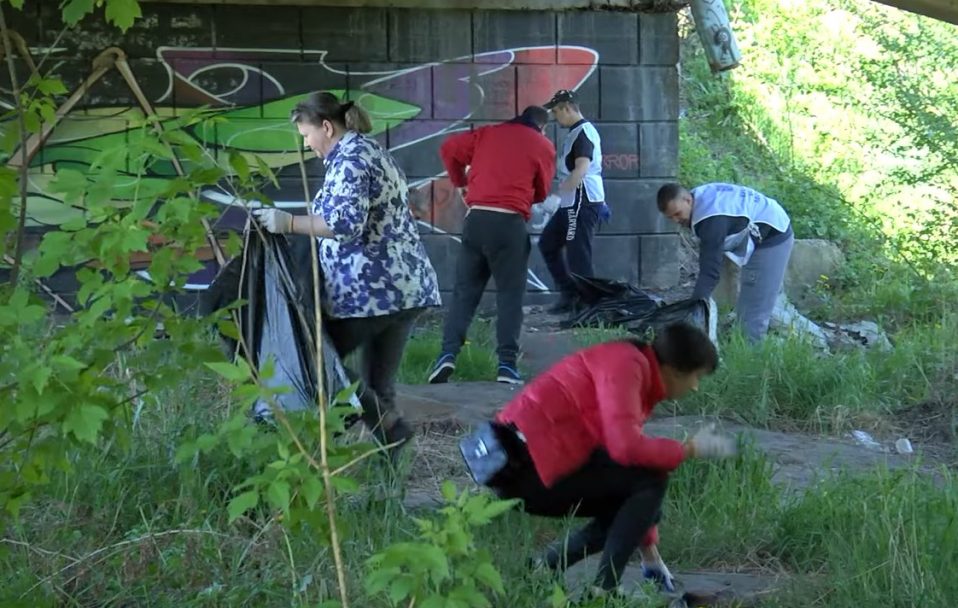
(608, 303)
(274, 277)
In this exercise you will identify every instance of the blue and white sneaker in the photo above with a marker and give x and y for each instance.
(662, 577)
(508, 374)
(443, 369)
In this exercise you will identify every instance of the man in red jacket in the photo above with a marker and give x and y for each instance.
(511, 166)
(575, 446)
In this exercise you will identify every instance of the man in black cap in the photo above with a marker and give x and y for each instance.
(566, 241)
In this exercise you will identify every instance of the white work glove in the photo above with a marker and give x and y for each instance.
(274, 220)
(551, 203)
(708, 444)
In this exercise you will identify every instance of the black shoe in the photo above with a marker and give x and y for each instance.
(443, 369)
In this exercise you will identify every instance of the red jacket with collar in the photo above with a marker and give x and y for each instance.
(511, 165)
(598, 397)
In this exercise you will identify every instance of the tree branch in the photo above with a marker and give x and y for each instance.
(24, 167)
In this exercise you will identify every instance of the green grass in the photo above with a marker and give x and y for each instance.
(476, 362)
(128, 527)
(785, 383)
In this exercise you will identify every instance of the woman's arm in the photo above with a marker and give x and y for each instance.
(311, 225)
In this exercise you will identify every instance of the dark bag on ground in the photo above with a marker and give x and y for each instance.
(274, 275)
(606, 303)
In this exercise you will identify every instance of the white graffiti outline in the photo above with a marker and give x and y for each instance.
(455, 125)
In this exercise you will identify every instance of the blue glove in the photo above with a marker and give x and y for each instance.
(660, 575)
(605, 213)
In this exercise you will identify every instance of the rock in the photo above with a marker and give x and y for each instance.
(812, 259)
(860, 334)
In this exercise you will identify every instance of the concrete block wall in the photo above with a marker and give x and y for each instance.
(423, 73)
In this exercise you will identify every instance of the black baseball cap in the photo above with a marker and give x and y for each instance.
(562, 95)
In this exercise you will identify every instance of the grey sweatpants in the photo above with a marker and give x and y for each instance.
(761, 281)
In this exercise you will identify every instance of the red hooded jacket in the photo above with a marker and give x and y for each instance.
(511, 166)
(598, 397)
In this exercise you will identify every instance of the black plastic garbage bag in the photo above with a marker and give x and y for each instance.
(274, 276)
(606, 303)
(693, 312)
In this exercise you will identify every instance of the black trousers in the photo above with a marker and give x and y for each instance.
(566, 242)
(494, 245)
(382, 340)
(623, 503)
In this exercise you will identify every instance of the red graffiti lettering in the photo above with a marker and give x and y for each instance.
(621, 162)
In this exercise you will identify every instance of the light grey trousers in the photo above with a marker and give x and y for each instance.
(761, 281)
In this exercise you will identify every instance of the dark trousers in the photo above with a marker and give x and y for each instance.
(570, 232)
(382, 340)
(494, 245)
(623, 503)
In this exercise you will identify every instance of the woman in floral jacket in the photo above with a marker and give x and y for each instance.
(377, 278)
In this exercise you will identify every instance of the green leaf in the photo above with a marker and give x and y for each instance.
(278, 494)
(401, 588)
(39, 377)
(123, 13)
(490, 577)
(71, 184)
(240, 165)
(241, 504)
(265, 170)
(17, 4)
(51, 86)
(491, 511)
(240, 372)
(344, 484)
(312, 490)
(75, 10)
(66, 363)
(84, 421)
(558, 598)
(448, 491)
(434, 601)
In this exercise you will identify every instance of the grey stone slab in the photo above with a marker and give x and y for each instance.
(264, 27)
(503, 30)
(535, 85)
(647, 93)
(616, 257)
(291, 190)
(658, 39)
(448, 209)
(166, 24)
(660, 268)
(620, 149)
(659, 149)
(300, 77)
(633, 207)
(470, 90)
(425, 36)
(394, 81)
(314, 171)
(443, 251)
(421, 160)
(348, 34)
(613, 35)
(27, 21)
(420, 203)
(112, 89)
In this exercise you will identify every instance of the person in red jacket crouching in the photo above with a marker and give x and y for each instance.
(571, 443)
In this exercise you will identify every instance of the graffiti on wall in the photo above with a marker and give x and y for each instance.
(254, 91)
